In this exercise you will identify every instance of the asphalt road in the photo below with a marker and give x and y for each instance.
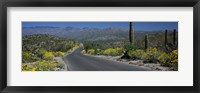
(76, 61)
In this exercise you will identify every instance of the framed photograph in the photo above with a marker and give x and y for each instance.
(100, 46)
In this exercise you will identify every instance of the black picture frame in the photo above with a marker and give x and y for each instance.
(98, 3)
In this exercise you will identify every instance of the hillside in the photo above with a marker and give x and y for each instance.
(47, 42)
(42, 52)
(109, 36)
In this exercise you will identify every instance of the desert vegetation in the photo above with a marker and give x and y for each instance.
(44, 46)
(41, 52)
(158, 47)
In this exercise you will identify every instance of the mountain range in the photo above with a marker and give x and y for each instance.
(86, 33)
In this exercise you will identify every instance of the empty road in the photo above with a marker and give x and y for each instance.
(76, 61)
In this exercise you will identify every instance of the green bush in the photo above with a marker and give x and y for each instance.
(138, 54)
(28, 68)
(91, 51)
(174, 59)
(27, 57)
(44, 65)
(174, 56)
(151, 55)
(41, 65)
(98, 51)
(48, 55)
(164, 59)
(40, 53)
(169, 60)
(59, 54)
(83, 51)
(154, 55)
(129, 46)
(113, 51)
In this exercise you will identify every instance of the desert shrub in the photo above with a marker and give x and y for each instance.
(164, 59)
(41, 65)
(40, 53)
(169, 60)
(119, 50)
(151, 55)
(28, 68)
(59, 54)
(174, 66)
(109, 52)
(98, 51)
(113, 51)
(83, 51)
(91, 51)
(48, 55)
(155, 55)
(174, 56)
(174, 59)
(27, 57)
(136, 54)
(44, 65)
(129, 46)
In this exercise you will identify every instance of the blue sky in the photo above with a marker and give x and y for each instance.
(145, 26)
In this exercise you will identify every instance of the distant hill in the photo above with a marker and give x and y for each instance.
(92, 34)
(48, 42)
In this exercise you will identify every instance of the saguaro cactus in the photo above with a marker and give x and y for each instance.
(170, 46)
(131, 33)
(131, 40)
(146, 42)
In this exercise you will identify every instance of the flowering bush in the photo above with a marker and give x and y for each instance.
(27, 57)
(40, 53)
(91, 51)
(152, 54)
(164, 59)
(28, 68)
(84, 51)
(174, 56)
(174, 59)
(98, 51)
(59, 54)
(138, 54)
(170, 60)
(44, 65)
(155, 55)
(128, 46)
(48, 55)
(113, 51)
(41, 65)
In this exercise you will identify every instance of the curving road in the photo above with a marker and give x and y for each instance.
(76, 61)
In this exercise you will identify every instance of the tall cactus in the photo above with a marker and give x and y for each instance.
(131, 40)
(131, 33)
(170, 46)
(146, 42)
